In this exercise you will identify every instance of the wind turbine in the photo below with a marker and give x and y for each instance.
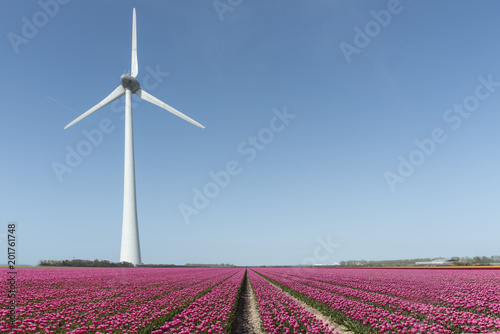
(130, 248)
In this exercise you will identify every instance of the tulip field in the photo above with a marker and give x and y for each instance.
(205, 300)
(401, 301)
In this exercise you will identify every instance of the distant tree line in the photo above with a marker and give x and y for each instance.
(221, 265)
(158, 266)
(384, 263)
(83, 263)
(478, 260)
(458, 261)
(194, 265)
(109, 264)
(464, 261)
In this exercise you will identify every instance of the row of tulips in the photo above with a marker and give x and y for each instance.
(448, 318)
(384, 312)
(475, 290)
(189, 300)
(125, 300)
(282, 314)
(210, 313)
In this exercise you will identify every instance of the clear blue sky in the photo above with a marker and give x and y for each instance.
(359, 102)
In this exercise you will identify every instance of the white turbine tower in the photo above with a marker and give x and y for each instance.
(130, 249)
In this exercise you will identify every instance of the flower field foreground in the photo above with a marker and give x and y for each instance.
(207, 300)
(400, 301)
(280, 313)
(211, 313)
(99, 300)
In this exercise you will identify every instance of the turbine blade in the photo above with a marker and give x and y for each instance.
(150, 98)
(135, 67)
(117, 93)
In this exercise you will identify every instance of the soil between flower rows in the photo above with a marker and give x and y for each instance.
(247, 314)
(248, 318)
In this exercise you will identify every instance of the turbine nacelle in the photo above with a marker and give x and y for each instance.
(129, 82)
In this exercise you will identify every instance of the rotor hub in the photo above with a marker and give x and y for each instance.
(129, 82)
